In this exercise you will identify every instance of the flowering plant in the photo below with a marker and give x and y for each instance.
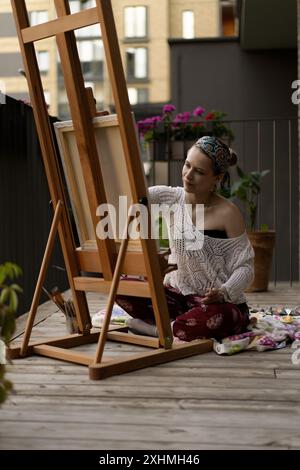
(184, 126)
(8, 305)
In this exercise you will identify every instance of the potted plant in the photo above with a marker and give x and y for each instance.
(8, 306)
(169, 135)
(247, 189)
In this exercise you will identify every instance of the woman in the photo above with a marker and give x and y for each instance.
(205, 295)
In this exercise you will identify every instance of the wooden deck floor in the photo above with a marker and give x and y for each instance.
(247, 401)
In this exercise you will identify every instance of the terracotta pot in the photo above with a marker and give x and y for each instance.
(263, 245)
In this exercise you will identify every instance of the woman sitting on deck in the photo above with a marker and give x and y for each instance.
(205, 295)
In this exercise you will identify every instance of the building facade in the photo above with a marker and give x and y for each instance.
(12, 78)
(143, 26)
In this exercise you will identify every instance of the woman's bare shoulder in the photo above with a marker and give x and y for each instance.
(232, 217)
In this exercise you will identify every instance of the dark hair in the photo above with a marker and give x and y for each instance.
(234, 157)
(226, 183)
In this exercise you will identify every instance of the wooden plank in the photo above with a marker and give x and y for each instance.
(144, 381)
(61, 414)
(105, 389)
(185, 433)
(91, 284)
(60, 25)
(36, 367)
(150, 403)
(50, 443)
(288, 374)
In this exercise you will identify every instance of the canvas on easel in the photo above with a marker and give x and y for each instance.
(107, 256)
(113, 169)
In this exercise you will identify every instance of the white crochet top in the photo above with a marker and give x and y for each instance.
(227, 263)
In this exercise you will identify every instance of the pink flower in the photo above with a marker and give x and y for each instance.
(198, 111)
(168, 108)
(178, 119)
(186, 116)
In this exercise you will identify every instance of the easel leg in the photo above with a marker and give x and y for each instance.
(41, 278)
(112, 293)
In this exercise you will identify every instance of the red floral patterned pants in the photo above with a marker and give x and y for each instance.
(192, 319)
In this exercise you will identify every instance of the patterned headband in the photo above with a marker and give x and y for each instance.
(217, 151)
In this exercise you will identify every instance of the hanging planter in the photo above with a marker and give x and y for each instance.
(166, 137)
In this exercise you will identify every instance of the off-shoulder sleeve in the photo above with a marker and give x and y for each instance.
(240, 259)
(164, 194)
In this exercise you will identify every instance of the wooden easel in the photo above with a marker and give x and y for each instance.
(109, 262)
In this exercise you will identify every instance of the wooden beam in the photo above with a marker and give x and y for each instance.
(84, 133)
(69, 341)
(42, 274)
(60, 25)
(63, 354)
(89, 262)
(121, 365)
(134, 167)
(126, 287)
(141, 340)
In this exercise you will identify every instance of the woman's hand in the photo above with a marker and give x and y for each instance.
(213, 296)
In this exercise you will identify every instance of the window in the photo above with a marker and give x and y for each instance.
(188, 24)
(135, 22)
(92, 56)
(136, 61)
(43, 61)
(38, 17)
(90, 50)
(138, 95)
(77, 5)
(89, 31)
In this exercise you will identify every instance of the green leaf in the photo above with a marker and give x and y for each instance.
(2, 275)
(13, 302)
(9, 270)
(8, 385)
(240, 172)
(16, 288)
(241, 193)
(8, 294)
(2, 393)
(264, 228)
(4, 295)
(8, 327)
